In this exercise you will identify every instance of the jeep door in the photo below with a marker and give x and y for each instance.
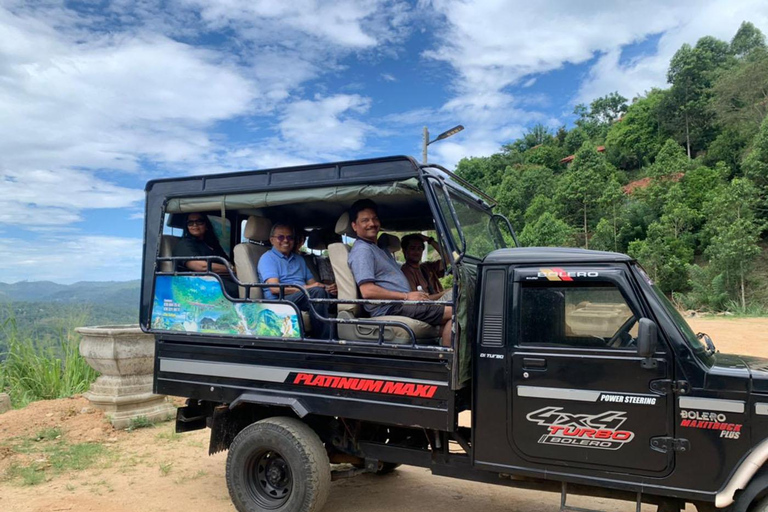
(580, 393)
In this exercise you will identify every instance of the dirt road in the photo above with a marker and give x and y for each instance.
(153, 469)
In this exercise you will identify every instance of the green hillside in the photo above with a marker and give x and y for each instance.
(44, 311)
(677, 177)
(122, 293)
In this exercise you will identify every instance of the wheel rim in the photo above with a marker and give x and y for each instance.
(268, 478)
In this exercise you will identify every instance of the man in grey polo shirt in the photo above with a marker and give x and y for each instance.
(379, 276)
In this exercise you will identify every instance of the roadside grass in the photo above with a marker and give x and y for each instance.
(144, 422)
(48, 434)
(752, 309)
(190, 477)
(139, 422)
(50, 454)
(32, 370)
(169, 435)
(165, 468)
(98, 487)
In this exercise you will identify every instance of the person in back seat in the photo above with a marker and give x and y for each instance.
(281, 265)
(200, 240)
(379, 276)
(425, 274)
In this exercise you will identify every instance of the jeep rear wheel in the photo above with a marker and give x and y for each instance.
(278, 464)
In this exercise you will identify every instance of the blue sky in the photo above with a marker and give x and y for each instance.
(98, 97)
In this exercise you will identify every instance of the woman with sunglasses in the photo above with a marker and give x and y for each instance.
(200, 240)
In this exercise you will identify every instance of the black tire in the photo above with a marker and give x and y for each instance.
(278, 465)
(760, 505)
(387, 468)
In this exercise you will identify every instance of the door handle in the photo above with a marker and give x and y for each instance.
(534, 363)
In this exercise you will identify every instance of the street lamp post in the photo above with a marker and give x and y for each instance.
(426, 142)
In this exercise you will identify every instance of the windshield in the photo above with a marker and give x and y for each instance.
(699, 346)
(480, 232)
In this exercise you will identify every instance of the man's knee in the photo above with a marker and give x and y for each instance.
(447, 314)
(318, 293)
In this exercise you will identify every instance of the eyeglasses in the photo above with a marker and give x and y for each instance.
(283, 238)
(198, 222)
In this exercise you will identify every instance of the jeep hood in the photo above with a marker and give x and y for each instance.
(758, 369)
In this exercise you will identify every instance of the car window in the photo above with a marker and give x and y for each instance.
(588, 315)
(476, 225)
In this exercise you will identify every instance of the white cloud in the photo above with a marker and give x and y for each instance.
(493, 45)
(109, 101)
(70, 259)
(144, 85)
(44, 198)
(719, 18)
(490, 120)
(326, 125)
(338, 22)
(511, 45)
(387, 77)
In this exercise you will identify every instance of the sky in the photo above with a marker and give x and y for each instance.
(98, 97)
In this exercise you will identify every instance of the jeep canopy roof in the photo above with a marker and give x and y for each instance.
(324, 191)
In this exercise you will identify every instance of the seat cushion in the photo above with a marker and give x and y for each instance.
(167, 243)
(246, 258)
(345, 281)
(424, 332)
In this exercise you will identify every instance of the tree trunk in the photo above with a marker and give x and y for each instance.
(687, 136)
(586, 232)
(743, 298)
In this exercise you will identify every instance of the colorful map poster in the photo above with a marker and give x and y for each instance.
(197, 304)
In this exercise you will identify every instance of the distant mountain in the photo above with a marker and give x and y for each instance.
(43, 311)
(112, 293)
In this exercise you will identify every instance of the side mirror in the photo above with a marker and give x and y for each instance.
(647, 338)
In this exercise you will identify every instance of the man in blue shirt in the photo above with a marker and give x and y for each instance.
(379, 276)
(281, 265)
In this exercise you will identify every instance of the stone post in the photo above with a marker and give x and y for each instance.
(5, 402)
(125, 358)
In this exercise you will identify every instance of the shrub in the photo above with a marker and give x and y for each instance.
(40, 371)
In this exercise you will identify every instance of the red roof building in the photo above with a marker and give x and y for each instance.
(569, 159)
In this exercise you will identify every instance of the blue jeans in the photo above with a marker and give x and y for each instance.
(320, 329)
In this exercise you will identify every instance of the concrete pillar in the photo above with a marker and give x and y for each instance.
(124, 356)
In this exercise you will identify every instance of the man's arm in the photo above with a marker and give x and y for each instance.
(276, 289)
(361, 262)
(375, 292)
(433, 243)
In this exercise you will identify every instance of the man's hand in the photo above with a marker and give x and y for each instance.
(331, 288)
(431, 241)
(417, 296)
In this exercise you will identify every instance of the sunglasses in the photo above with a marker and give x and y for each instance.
(283, 238)
(198, 222)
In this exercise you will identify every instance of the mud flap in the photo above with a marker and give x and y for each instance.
(189, 418)
(224, 427)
